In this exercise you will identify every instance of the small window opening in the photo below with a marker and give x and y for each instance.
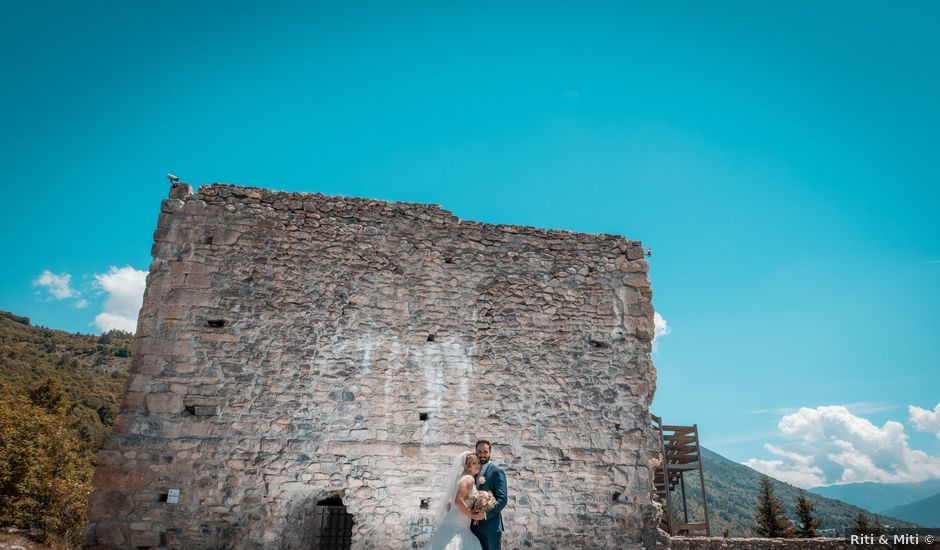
(616, 426)
(216, 323)
(616, 496)
(425, 503)
(162, 497)
(448, 260)
(430, 337)
(599, 345)
(190, 409)
(423, 416)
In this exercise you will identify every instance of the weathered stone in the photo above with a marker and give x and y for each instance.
(180, 190)
(721, 543)
(356, 346)
(172, 206)
(164, 403)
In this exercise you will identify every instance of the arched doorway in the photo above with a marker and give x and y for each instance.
(332, 525)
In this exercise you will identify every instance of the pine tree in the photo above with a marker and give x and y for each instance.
(771, 520)
(804, 512)
(861, 523)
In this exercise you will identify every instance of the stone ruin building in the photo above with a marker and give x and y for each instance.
(298, 352)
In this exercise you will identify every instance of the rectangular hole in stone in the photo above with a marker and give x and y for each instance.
(599, 345)
(162, 497)
(216, 323)
(190, 409)
(205, 410)
(425, 503)
(616, 426)
(423, 416)
(430, 337)
(616, 496)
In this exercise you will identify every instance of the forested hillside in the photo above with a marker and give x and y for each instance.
(59, 394)
(91, 369)
(733, 491)
(925, 512)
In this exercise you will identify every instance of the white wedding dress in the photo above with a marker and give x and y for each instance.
(453, 533)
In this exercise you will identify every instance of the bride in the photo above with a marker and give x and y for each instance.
(452, 515)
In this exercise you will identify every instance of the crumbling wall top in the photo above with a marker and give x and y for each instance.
(374, 209)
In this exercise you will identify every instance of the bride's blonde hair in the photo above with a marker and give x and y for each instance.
(471, 459)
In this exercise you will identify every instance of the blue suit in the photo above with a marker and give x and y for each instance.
(490, 530)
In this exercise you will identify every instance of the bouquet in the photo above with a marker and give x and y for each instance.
(481, 501)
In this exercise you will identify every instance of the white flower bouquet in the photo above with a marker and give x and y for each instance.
(481, 501)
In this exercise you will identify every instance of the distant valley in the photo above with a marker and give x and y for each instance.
(881, 497)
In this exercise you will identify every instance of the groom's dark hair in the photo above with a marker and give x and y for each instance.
(485, 442)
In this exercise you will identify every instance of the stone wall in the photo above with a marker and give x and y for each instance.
(292, 347)
(719, 543)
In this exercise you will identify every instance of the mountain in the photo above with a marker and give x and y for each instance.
(924, 512)
(90, 369)
(880, 496)
(733, 490)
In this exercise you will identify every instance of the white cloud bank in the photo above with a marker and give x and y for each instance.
(829, 445)
(58, 286)
(660, 328)
(125, 287)
(924, 420)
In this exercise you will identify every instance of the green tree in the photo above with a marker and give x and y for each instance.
(770, 518)
(861, 523)
(45, 472)
(808, 524)
(50, 396)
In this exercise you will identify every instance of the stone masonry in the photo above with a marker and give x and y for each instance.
(718, 543)
(293, 347)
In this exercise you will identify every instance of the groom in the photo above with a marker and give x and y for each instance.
(491, 478)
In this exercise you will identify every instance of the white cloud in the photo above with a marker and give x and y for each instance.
(924, 420)
(125, 287)
(58, 286)
(869, 407)
(805, 477)
(660, 328)
(830, 445)
(859, 407)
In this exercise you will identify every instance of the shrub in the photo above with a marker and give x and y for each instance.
(45, 472)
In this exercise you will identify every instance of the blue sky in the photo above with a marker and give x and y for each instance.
(779, 158)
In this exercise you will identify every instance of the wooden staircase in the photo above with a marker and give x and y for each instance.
(681, 453)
